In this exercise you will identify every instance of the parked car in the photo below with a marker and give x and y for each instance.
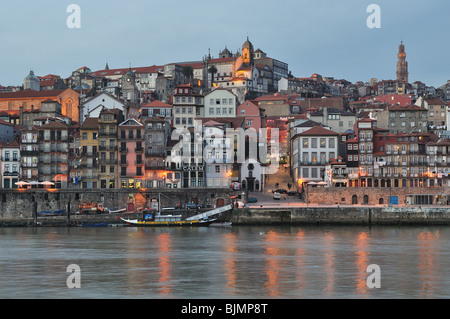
(252, 200)
(276, 195)
(236, 186)
(279, 190)
(292, 193)
(193, 206)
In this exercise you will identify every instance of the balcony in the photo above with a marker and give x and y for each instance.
(105, 133)
(108, 148)
(154, 165)
(89, 165)
(123, 150)
(89, 154)
(108, 161)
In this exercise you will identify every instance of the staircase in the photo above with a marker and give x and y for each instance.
(213, 212)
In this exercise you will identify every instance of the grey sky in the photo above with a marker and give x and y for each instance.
(328, 37)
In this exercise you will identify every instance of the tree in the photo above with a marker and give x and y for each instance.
(213, 71)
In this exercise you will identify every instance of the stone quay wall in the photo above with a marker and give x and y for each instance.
(347, 215)
(17, 204)
(373, 195)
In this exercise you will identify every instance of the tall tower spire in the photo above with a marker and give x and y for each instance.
(402, 65)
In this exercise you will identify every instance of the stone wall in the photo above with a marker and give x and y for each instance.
(345, 196)
(19, 203)
(343, 216)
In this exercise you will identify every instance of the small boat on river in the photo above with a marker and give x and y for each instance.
(151, 218)
(55, 213)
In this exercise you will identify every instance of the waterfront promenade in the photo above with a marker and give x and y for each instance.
(286, 215)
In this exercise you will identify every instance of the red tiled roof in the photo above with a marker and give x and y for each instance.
(318, 130)
(156, 104)
(54, 125)
(406, 108)
(30, 93)
(149, 69)
(90, 123)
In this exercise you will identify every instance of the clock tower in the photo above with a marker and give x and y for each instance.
(402, 65)
(130, 92)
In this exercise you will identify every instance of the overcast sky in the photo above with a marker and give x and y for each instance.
(329, 37)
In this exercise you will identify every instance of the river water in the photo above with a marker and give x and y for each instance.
(225, 262)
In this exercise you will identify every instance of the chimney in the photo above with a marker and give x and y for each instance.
(21, 115)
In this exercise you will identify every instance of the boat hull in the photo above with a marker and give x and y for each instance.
(179, 223)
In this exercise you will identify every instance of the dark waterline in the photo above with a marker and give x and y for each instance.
(234, 262)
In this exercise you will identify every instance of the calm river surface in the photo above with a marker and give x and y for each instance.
(225, 262)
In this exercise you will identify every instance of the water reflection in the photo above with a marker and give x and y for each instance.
(301, 253)
(428, 242)
(256, 262)
(165, 247)
(362, 261)
(272, 269)
(230, 262)
(329, 263)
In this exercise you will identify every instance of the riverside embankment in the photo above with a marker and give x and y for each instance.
(293, 216)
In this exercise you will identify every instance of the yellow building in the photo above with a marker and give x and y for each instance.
(89, 143)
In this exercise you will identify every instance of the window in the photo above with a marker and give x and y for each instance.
(323, 143)
(217, 169)
(305, 172)
(305, 142)
(331, 142)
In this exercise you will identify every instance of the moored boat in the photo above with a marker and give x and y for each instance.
(55, 213)
(153, 219)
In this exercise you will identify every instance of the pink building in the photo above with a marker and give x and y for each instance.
(253, 115)
(131, 153)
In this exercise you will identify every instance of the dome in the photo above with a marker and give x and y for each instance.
(31, 76)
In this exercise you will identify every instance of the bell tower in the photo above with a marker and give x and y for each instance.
(247, 53)
(402, 65)
(129, 90)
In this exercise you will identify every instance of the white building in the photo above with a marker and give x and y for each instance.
(252, 175)
(311, 151)
(220, 103)
(93, 106)
(187, 106)
(10, 164)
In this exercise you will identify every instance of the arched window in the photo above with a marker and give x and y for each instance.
(366, 199)
(354, 199)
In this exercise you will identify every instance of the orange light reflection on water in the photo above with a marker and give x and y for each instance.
(427, 242)
(362, 262)
(165, 247)
(329, 263)
(301, 253)
(230, 262)
(273, 266)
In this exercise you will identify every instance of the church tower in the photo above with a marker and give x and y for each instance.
(247, 53)
(129, 90)
(402, 65)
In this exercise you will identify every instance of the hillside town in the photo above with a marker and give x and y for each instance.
(168, 127)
